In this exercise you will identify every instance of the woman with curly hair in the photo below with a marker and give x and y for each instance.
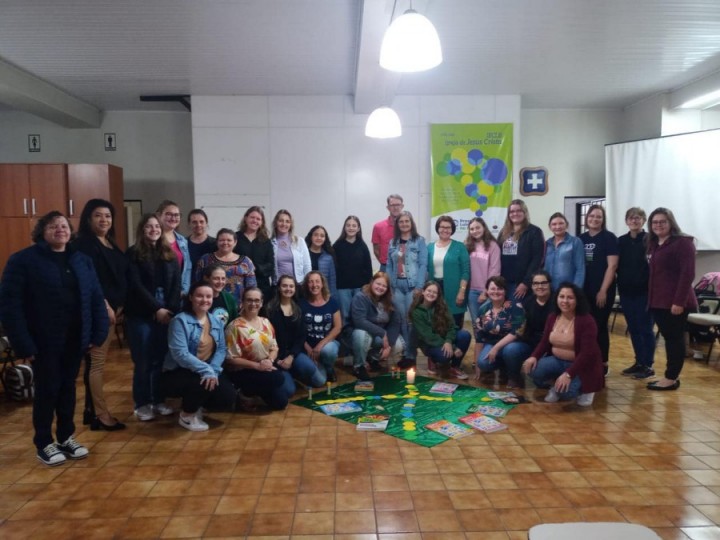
(436, 332)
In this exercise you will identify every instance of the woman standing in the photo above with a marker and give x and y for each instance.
(407, 267)
(322, 256)
(153, 298)
(96, 238)
(193, 365)
(484, 262)
(287, 320)
(224, 306)
(633, 276)
(169, 215)
(239, 270)
(438, 337)
(564, 253)
(291, 253)
(354, 266)
(497, 326)
(601, 260)
(521, 245)
(449, 265)
(253, 242)
(670, 294)
(252, 352)
(52, 308)
(567, 360)
(323, 323)
(376, 326)
(199, 241)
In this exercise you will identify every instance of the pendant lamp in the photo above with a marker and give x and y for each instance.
(383, 123)
(410, 44)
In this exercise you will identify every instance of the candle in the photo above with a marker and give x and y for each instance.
(309, 392)
(411, 376)
(329, 388)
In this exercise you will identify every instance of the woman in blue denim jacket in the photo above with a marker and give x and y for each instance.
(407, 268)
(564, 253)
(193, 364)
(168, 213)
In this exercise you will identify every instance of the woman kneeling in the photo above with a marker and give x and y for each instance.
(570, 361)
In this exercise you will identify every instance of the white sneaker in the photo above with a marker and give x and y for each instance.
(51, 455)
(163, 410)
(552, 396)
(145, 413)
(193, 423)
(200, 413)
(585, 400)
(72, 449)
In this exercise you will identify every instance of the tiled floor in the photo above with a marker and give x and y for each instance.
(636, 456)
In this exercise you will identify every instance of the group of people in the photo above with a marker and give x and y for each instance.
(234, 321)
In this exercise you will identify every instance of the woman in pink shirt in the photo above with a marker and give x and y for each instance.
(484, 254)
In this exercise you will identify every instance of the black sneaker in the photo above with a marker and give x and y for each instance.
(50, 455)
(332, 377)
(644, 373)
(73, 449)
(361, 373)
(606, 370)
(632, 370)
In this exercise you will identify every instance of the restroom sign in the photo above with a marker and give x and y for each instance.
(110, 142)
(33, 143)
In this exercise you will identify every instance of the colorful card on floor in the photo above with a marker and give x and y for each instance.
(443, 388)
(340, 408)
(501, 395)
(450, 430)
(483, 423)
(489, 410)
(364, 386)
(373, 422)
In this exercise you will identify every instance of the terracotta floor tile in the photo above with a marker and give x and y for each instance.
(438, 520)
(236, 504)
(425, 482)
(431, 500)
(497, 481)
(467, 500)
(486, 520)
(353, 484)
(144, 527)
(456, 482)
(314, 523)
(353, 501)
(281, 485)
(389, 483)
(156, 507)
(185, 527)
(393, 500)
(320, 484)
(315, 502)
(396, 521)
(355, 522)
(391, 467)
(547, 498)
(229, 525)
(275, 503)
(271, 524)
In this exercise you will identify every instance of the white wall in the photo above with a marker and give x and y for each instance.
(153, 148)
(309, 154)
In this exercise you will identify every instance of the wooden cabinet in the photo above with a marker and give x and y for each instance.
(31, 190)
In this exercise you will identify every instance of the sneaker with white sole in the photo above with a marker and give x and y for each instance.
(644, 372)
(145, 413)
(163, 410)
(458, 373)
(50, 455)
(73, 449)
(552, 396)
(193, 423)
(585, 400)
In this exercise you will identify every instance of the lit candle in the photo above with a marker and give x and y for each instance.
(411, 376)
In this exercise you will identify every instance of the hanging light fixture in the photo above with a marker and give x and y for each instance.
(383, 123)
(410, 44)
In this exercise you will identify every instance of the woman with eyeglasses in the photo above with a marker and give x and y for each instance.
(169, 215)
(240, 270)
(521, 245)
(670, 292)
(568, 360)
(449, 265)
(252, 354)
(564, 253)
(407, 267)
(601, 260)
(484, 254)
(633, 276)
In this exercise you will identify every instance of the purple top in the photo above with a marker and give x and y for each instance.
(284, 256)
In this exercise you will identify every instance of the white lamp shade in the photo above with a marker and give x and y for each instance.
(383, 123)
(410, 44)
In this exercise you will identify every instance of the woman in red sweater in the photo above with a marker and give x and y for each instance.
(568, 360)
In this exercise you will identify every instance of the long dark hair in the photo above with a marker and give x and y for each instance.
(396, 227)
(652, 238)
(84, 230)
(343, 236)
(441, 312)
(327, 246)
(187, 302)
(145, 251)
(508, 229)
(274, 304)
(582, 306)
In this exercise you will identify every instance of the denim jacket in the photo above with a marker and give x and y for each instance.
(566, 262)
(183, 339)
(186, 270)
(416, 260)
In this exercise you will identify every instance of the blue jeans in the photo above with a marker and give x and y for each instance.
(345, 297)
(148, 341)
(462, 342)
(473, 305)
(304, 370)
(362, 343)
(402, 298)
(327, 358)
(550, 368)
(640, 325)
(509, 360)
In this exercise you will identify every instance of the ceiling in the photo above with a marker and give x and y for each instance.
(554, 53)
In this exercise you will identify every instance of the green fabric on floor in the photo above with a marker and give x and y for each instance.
(424, 411)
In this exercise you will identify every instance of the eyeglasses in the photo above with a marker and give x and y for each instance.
(540, 283)
(171, 215)
(252, 301)
(395, 205)
(660, 222)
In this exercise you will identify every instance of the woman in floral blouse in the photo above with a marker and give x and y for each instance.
(498, 324)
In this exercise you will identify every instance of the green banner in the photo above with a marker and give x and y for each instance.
(471, 173)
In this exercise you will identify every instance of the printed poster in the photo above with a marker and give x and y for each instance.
(471, 174)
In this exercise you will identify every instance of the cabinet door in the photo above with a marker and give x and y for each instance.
(14, 190)
(85, 182)
(14, 236)
(48, 188)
